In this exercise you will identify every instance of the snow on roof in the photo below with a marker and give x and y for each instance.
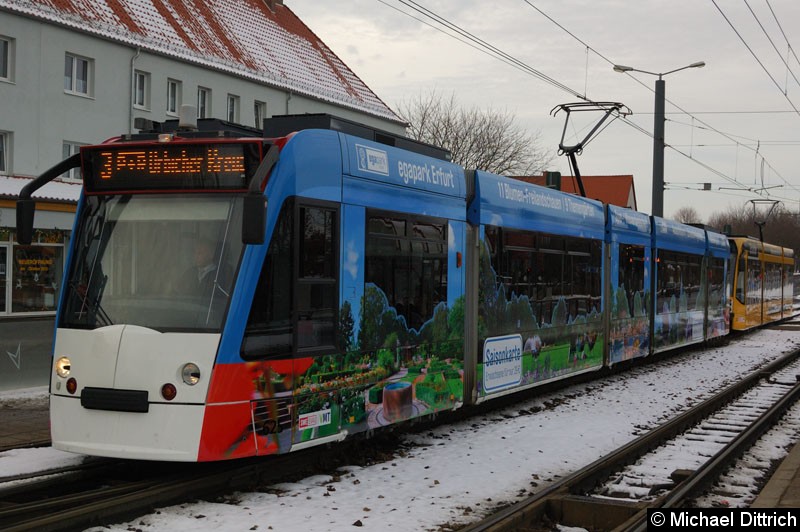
(241, 37)
(57, 190)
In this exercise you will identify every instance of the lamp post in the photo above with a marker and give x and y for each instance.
(658, 133)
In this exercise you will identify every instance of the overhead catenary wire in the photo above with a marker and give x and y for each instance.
(628, 120)
(507, 58)
(610, 62)
(466, 37)
(766, 33)
(780, 27)
(755, 56)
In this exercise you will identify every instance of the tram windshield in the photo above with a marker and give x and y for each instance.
(167, 262)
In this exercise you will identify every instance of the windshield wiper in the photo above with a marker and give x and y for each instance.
(95, 313)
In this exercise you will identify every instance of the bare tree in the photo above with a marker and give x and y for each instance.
(687, 215)
(782, 228)
(486, 139)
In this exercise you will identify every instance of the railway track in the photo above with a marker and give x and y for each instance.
(34, 442)
(614, 492)
(101, 491)
(74, 498)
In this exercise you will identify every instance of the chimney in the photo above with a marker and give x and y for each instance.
(552, 180)
(272, 4)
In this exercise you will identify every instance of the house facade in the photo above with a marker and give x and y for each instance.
(80, 72)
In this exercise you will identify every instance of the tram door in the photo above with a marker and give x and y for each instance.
(3, 278)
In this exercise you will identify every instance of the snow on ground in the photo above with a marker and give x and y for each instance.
(456, 473)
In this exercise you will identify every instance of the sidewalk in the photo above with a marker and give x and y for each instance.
(783, 489)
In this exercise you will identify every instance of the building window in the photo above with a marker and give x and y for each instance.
(173, 96)
(68, 150)
(5, 149)
(259, 112)
(141, 89)
(233, 108)
(6, 59)
(77, 75)
(203, 102)
(36, 277)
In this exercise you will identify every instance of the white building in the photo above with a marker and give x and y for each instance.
(76, 72)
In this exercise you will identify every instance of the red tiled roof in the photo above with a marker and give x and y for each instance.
(241, 37)
(612, 189)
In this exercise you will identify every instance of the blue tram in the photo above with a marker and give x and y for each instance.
(630, 247)
(232, 296)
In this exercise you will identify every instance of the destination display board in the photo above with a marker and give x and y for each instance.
(206, 165)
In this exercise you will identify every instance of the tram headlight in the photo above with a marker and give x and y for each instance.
(190, 374)
(63, 366)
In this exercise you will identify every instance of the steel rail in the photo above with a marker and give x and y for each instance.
(695, 483)
(119, 500)
(533, 508)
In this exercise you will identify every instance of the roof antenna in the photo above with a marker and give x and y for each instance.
(187, 118)
(617, 108)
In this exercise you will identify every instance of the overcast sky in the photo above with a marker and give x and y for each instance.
(743, 123)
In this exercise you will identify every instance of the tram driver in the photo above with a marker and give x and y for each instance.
(205, 274)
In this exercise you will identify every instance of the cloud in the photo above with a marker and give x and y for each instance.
(351, 260)
(406, 57)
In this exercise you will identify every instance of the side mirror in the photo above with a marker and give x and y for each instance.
(25, 210)
(254, 218)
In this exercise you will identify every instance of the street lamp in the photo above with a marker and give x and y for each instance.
(658, 133)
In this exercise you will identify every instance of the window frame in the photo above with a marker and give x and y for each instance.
(7, 53)
(204, 106)
(259, 113)
(232, 108)
(141, 90)
(5, 152)
(74, 174)
(174, 96)
(73, 88)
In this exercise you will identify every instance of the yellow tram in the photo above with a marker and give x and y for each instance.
(762, 281)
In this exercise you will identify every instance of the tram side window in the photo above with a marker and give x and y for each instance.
(753, 294)
(406, 258)
(716, 279)
(582, 281)
(547, 268)
(631, 273)
(679, 276)
(741, 276)
(269, 330)
(296, 308)
(316, 295)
